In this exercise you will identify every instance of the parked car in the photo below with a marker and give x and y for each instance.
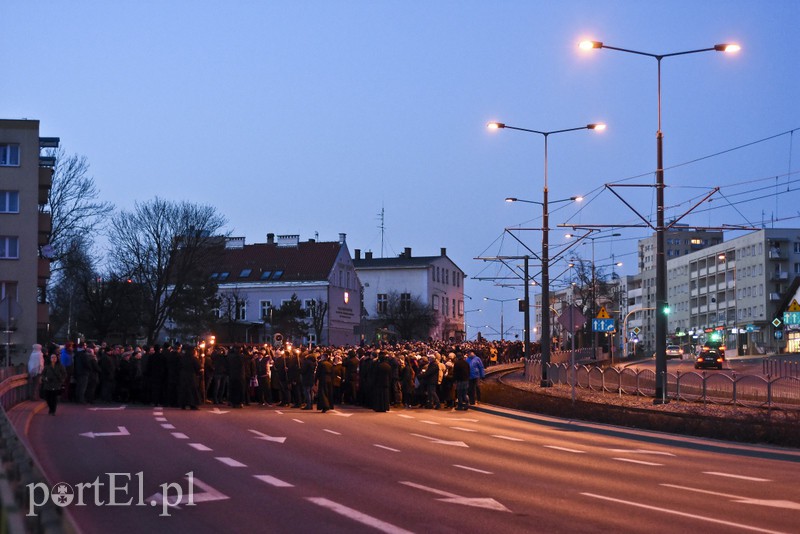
(710, 357)
(674, 351)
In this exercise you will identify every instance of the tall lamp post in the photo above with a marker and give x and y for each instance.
(661, 257)
(545, 237)
(502, 314)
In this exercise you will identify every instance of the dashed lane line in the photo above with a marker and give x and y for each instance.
(272, 481)
(230, 461)
(168, 426)
(565, 449)
(357, 516)
(508, 438)
(298, 421)
(161, 419)
(474, 469)
(200, 447)
(640, 462)
(180, 435)
(332, 432)
(740, 477)
(386, 448)
(461, 428)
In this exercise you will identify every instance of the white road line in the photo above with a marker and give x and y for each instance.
(385, 447)
(279, 412)
(463, 429)
(360, 517)
(640, 462)
(565, 449)
(168, 426)
(473, 469)
(641, 451)
(200, 447)
(180, 435)
(507, 437)
(230, 461)
(429, 422)
(682, 514)
(161, 419)
(404, 416)
(332, 432)
(775, 503)
(298, 421)
(272, 481)
(740, 477)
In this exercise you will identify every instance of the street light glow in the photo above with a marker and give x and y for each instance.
(495, 125)
(588, 45)
(599, 126)
(511, 199)
(727, 47)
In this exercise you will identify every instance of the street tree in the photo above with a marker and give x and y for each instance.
(318, 311)
(408, 316)
(164, 247)
(289, 319)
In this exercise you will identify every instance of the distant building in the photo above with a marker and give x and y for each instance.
(257, 279)
(25, 180)
(436, 280)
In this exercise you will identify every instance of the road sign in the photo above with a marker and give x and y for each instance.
(794, 306)
(636, 330)
(776, 322)
(602, 325)
(778, 334)
(792, 317)
(572, 319)
(603, 314)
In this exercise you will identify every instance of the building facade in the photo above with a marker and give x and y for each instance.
(435, 280)
(25, 224)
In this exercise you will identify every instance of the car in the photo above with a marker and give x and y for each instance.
(710, 357)
(674, 351)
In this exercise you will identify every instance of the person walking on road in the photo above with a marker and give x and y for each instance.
(476, 372)
(53, 378)
(35, 368)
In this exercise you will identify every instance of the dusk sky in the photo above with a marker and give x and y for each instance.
(305, 117)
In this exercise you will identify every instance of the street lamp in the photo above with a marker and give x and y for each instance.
(661, 257)
(501, 301)
(545, 241)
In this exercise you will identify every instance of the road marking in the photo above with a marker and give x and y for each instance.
(200, 447)
(741, 477)
(556, 447)
(461, 428)
(108, 409)
(473, 469)
(743, 500)
(642, 451)
(478, 502)
(507, 437)
(463, 419)
(429, 422)
(230, 461)
(341, 414)
(298, 421)
(682, 514)
(121, 431)
(385, 447)
(191, 496)
(640, 462)
(279, 412)
(217, 411)
(443, 442)
(180, 435)
(332, 432)
(261, 435)
(360, 517)
(404, 416)
(168, 426)
(272, 481)
(161, 419)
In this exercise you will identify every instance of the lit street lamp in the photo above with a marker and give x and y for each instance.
(545, 244)
(661, 258)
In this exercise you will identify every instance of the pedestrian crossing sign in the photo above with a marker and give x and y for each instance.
(603, 314)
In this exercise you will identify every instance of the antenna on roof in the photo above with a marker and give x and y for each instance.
(382, 226)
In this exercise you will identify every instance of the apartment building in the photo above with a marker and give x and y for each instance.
(25, 180)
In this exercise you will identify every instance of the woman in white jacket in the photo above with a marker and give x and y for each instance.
(35, 367)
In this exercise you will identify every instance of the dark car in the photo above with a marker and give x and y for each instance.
(710, 358)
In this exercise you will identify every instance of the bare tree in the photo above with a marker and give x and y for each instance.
(164, 247)
(408, 315)
(74, 206)
(318, 311)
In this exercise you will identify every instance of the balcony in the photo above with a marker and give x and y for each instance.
(779, 276)
(45, 227)
(776, 254)
(45, 183)
(43, 269)
(774, 296)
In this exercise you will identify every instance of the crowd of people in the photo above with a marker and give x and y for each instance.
(432, 375)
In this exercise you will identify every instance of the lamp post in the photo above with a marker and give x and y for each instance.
(661, 258)
(546, 236)
(502, 314)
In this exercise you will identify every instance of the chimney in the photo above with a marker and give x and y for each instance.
(368, 255)
(270, 239)
(358, 253)
(342, 238)
(407, 253)
(444, 252)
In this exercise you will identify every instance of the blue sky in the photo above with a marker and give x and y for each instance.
(311, 116)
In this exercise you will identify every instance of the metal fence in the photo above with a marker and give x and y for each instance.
(780, 368)
(717, 388)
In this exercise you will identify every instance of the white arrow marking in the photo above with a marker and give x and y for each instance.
(98, 409)
(210, 494)
(261, 435)
(443, 442)
(642, 451)
(218, 411)
(744, 500)
(487, 503)
(122, 431)
(740, 477)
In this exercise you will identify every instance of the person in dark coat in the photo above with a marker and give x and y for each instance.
(173, 373)
(280, 373)
(156, 375)
(461, 378)
(338, 380)
(53, 379)
(220, 364)
(236, 383)
(293, 372)
(350, 386)
(308, 369)
(407, 382)
(382, 385)
(188, 377)
(324, 384)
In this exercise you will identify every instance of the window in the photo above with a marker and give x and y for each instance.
(309, 303)
(454, 307)
(383, 302)
(9, 202)
(213, 276)
(796, 247)
(9, 247)
(435, 301)
(224, 276)
(445, 302)
(405, 302)
(8, 289)
(245, 273)
(241, 311)
(9, 155)
(461, 308)
(277, 275)
(312, 338)
(265, 306)
(266, 274)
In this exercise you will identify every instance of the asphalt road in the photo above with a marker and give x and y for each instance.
(265, 469)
